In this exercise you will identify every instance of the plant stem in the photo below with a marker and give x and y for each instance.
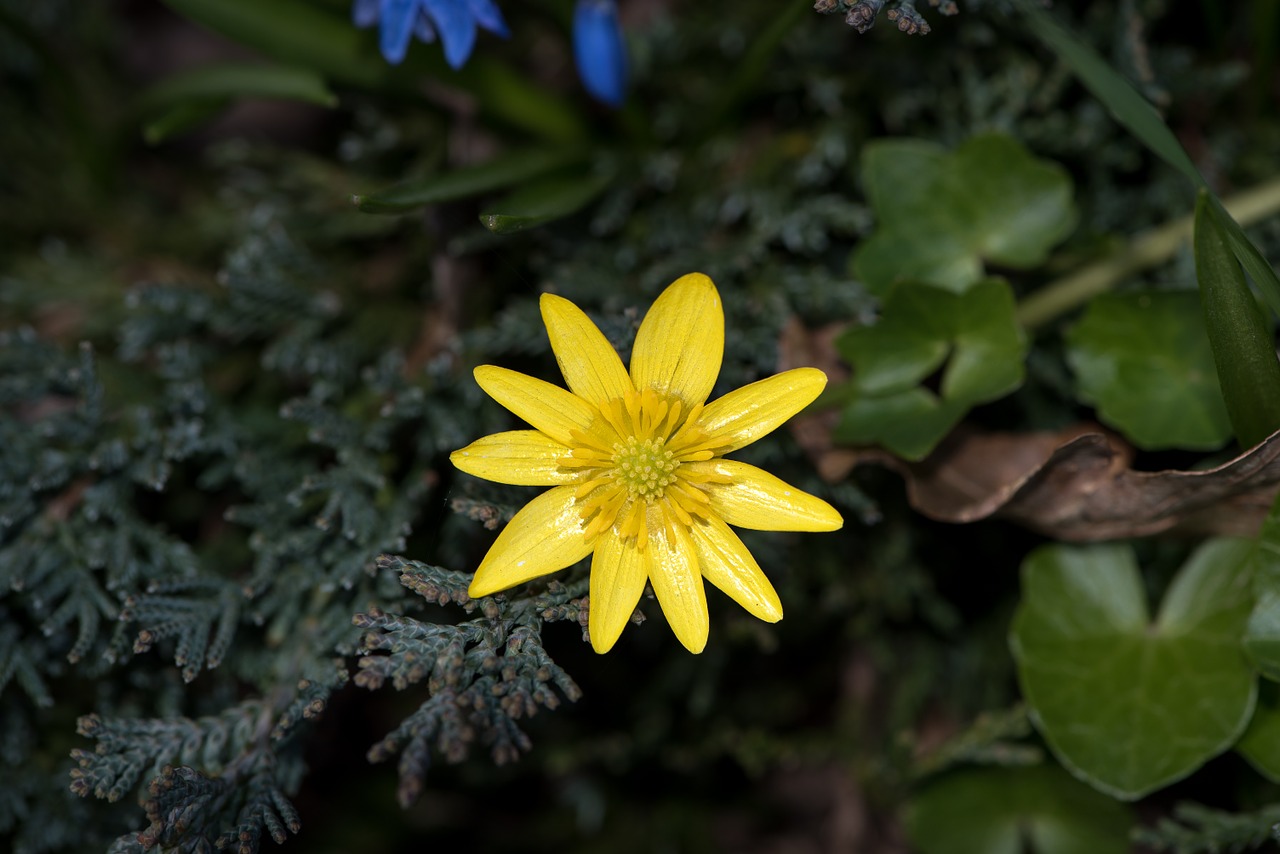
(1145, 250)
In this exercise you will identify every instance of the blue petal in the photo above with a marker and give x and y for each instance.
(456, 28)
(600, 51)
(364, 13)
(488, 15)
(396, 28)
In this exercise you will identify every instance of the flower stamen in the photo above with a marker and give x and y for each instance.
(642, 469)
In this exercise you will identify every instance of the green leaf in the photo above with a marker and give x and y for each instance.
(239, 80)
(1262, 634)
(971, 336)
(547, 200)
(1262, 273)
(1260, 744)
(1244, 348)
(1011, 810)
(1126, 704)
(179, 119)
(500, 172)
(1144, 361)
(521, 101)
(1135, 113)
(941, 214)
(302, 34)
(190, 98)
(297, 32)
(1120, 98)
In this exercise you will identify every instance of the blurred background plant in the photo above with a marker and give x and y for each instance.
(246, 266)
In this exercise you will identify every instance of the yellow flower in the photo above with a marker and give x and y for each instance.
(634, 462)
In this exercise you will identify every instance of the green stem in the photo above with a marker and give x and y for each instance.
(1145, 251)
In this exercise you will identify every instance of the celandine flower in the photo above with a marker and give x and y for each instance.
(600, 51)
(454, 21)
(634, 462)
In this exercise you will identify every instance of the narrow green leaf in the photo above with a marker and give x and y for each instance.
(501, 172)
(513, 98)
(1120, 98)
(292, 30)
(180, 118)
(239, 80)
(1243, 345)
(547, 200)
(1135, 113)
(756, 62)
(1263, 274)
(300, 33)
(1127, 704)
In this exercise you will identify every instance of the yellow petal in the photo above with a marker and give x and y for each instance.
(545, 536)
(618, 574)
(672, 567)
(519, 457)
(681, 341)
(728, 564)
(546, 407)
(590, 365)
(746, 414)
(756, 499)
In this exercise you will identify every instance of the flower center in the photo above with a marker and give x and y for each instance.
(633, 463)
(645, 466)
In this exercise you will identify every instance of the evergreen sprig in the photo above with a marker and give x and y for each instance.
(1198, 829)
(482, 675)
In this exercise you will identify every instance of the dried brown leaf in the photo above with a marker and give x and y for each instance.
(1076, 485)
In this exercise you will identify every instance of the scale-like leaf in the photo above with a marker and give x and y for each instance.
(1144, 361)
(1126, 704)
(1014, 810)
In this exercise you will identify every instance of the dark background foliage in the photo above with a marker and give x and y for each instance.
(233, 555)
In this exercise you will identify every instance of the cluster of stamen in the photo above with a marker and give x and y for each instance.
(645, 466)
(633, 466)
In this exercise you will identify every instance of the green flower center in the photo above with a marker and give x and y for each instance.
(644, 466)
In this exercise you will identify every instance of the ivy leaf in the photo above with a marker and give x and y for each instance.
(1143, 359)
(1126, 704)
(1262, 634)
(1260, 744)
(994, 810)
(942, 214)
(971, 336)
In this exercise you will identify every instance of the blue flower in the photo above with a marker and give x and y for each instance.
(600, 51)
(454, 21)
